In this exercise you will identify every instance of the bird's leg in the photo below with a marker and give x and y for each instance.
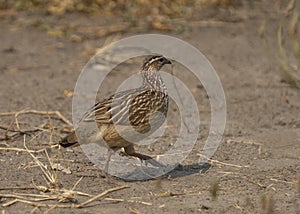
(108, 156)
(130, 151)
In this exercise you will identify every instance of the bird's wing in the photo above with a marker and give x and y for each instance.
(132, 107)
(114, 109)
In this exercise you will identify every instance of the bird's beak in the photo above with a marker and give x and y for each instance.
(167, 61)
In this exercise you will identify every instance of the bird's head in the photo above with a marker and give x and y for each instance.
(155, 63)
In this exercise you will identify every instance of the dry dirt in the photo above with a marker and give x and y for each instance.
(256, 166)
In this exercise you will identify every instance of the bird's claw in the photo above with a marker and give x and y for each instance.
(153, 162)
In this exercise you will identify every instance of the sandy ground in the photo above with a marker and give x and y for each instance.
(256, 165)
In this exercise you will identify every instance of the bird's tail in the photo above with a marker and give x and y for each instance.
(69, 141)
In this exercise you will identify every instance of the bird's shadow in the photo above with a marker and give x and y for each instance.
(170, 171)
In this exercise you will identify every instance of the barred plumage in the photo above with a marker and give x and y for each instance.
(126, 110)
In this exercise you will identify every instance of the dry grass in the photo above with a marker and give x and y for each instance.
(176, 8)
(298, 183)
(220, 3)
(153, 14)
(52, 195)
(135, 8)
(214, 188)
(267, 204)
(287, 34)
(14, 129)
(136, 15)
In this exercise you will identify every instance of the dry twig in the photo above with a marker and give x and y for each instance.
(100, 195)
(34, 203)
(222, 163)
(32, 111)
(134, 210)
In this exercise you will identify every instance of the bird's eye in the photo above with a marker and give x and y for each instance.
(161, 60)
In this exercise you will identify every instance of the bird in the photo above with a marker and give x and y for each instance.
(135, 112)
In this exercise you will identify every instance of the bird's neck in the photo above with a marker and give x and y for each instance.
(153, 81)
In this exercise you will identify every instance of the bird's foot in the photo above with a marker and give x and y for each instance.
(147, 159)
(153, 162)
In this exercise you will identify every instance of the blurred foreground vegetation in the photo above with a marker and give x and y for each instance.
(154, 14)
(160, 15)
(174, 8)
